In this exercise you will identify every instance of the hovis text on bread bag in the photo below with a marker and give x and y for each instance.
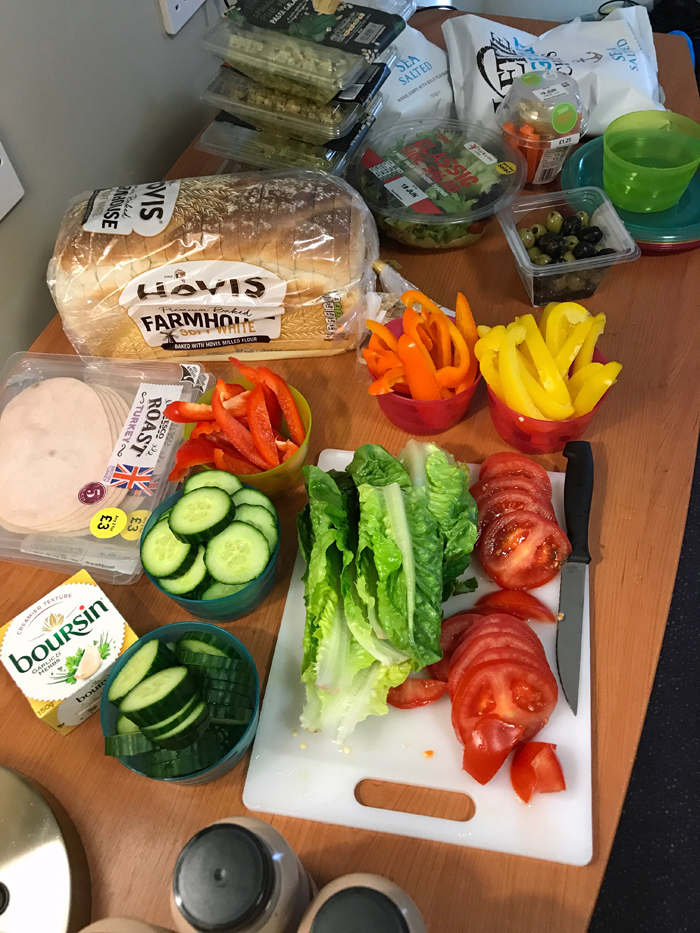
(272, 264)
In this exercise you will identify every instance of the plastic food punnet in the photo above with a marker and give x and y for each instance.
(543, 115)
(109, 713)
(566, 281)
(649, 159)
(424, 418)
(432, 183)
(532, 436)
(227, 608)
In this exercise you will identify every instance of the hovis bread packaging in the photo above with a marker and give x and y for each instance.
(275, 265)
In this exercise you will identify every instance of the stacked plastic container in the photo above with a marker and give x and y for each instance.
(299, 88)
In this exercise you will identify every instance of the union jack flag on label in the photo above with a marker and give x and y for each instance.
(136, 479)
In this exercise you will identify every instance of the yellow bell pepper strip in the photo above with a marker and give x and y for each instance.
(465, 323)
(491, 340)
(482, 330)
(585, 354)
(580, 376)
(549, 375)
(514, 391)
(572, 345)
(545, 314)
(559, 323)
(386, 383)
(440, 332)
(382, 332)
(541, 398)
(595, 387)
(453, 376)
(418, 374)
(414, 297)
(489, 370)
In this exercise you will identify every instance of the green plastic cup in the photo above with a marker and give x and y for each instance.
(649, 158)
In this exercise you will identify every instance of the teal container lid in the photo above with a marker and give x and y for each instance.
(677, 227)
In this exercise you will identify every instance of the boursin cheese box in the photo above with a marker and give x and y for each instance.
(60, 651)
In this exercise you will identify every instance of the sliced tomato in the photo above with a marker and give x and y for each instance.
(487, 744)
(415, 692)
(452, 631)
(516, 603)
(514, 464)
(501, 501)
(522, 550)
(481, 490)
(510, 691)
(503, 642)
(535, 767)
(502, 622)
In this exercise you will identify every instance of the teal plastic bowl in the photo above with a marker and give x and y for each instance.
(228, 608)
(109, 713)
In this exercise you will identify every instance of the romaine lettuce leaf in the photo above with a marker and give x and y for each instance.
(374, 465)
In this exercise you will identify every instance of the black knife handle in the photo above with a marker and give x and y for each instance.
(578, 491)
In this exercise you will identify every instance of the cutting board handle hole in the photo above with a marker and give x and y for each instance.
(408, 798)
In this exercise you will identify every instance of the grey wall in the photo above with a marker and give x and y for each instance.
(93, 93)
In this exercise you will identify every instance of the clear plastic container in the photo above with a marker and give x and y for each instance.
(566, 281)
(85, 465)
(109, 712)
(122, 925)
(364, 902)
(543, 115)
(403, 8)
(296, 65)
(432, 183)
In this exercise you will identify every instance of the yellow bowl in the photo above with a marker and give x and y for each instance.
(280, 479)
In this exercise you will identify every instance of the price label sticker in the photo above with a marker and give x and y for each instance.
(135, 523)
(107, 523)
(505, 168)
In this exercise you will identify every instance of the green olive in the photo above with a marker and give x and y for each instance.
(527, 237)
(571, 241)
(576, 283)
(538, 230)
(584, 218)
(554, 221)
(543, 260)
(534, 253)
(569, 257)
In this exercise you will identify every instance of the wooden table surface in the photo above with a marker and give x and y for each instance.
(644, 442)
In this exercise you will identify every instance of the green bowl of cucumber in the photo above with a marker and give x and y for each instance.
(213, 547)
(182, 704)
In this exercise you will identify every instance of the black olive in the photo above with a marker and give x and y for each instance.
(584, 250)
(571, 226)
(607, 251)
(591, 235)
(554, 244)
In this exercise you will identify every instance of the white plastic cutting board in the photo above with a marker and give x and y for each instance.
(317, 782)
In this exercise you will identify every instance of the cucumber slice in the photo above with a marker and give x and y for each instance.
(158, 697)
(219, 590)
(201, 514)
(207, 661)
(254, 497)
(215, 678)
(126, 726)
(243, 698)
(123, 746)
(165, 725)
(226, 481)
(164, 515)
(261, 519)
(203, 644)
(208, 748)
(230, 715)
(189, 731)
(154, 656)
(190, 580)
(164, 555)
(238, 554)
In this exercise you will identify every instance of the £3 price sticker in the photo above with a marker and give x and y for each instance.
(135, 523)
(107, 523)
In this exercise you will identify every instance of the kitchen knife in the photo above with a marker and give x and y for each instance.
(578, 490)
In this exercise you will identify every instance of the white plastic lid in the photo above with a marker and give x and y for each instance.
(544, 106)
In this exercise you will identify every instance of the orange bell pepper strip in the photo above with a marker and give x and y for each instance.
(453, 376)
(237, 434)
(384, 335)
(380, 363)
(440, 331)
(232, 464)
(186, 412)
(194, 452)
(418, 373)
(386, 383)
(413, 296)
(464, 321)
(260, 427)
(412, 328)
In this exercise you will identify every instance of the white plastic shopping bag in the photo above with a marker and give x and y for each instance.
(613, 60)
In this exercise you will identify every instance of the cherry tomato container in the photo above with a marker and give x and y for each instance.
(424, 418)
(532, 436)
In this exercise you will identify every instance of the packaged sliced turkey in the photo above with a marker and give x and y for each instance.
(85, 453)
(266, 263)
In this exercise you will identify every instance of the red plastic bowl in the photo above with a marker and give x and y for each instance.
(532, 436)
(424, 418)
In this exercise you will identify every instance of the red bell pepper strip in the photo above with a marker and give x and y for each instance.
(229, 463)
(231, 390)
(193, 452)
(273, 407)
(287, 403)
(238, 405)
(286, 448)
(234, 430)
(185, 412)
(204, 428)
(260, 427)
(248, 372)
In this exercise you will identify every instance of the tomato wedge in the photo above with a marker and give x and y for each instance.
(535, 767)
(516, 603)
(510, 691)
(481, 490)
(501, 501)
(488, 743)
(514, 464)
(415, 692)
(452, 631)
(522, 550)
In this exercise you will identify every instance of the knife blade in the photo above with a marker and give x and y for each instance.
(578, 492)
